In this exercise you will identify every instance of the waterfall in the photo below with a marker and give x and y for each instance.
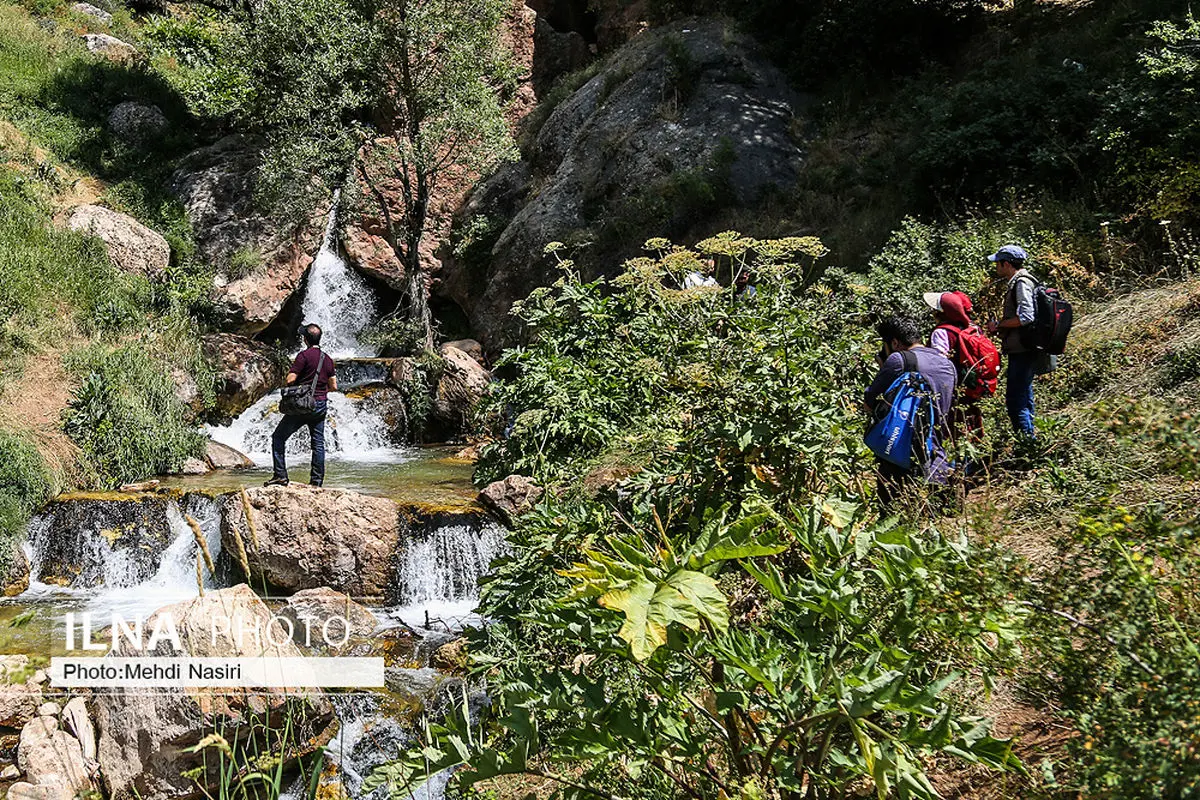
(351, 432)
(110, 546)
(337, 298)
(439, 574)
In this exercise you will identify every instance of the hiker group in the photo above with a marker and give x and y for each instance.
(923, 398)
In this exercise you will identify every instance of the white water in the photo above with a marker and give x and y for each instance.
(337, 298)
(351, 434)
(439, 577)
(173, 581)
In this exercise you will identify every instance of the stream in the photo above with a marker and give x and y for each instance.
(133, 554)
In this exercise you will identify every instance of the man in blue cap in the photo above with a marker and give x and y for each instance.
(1018, 314)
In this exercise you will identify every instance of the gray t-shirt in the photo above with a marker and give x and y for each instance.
(935, 367)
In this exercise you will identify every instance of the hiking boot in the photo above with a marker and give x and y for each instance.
(277, 482)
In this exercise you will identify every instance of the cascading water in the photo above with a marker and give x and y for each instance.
(438, 579)
(352, 433)
(338, 299)
(136, 579)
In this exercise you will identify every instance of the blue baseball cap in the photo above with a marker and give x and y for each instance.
(1010, 252)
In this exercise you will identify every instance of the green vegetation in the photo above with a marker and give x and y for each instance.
(125, 416)
(25, 484)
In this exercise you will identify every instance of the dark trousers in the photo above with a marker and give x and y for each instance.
(1018, 391)
(316, 430)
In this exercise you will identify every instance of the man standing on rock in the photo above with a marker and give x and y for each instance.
(310, 363)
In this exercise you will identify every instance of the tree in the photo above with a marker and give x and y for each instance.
(439, 66)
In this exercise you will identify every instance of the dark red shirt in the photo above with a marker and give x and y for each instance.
(305, 366)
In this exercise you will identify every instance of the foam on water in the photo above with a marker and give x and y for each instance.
(351, 433)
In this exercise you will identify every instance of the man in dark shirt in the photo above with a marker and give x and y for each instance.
(900, 334)
(303, 370)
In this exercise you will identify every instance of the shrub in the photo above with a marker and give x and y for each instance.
(25, 484)
(125, 416)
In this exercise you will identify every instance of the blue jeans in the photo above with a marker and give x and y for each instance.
(1018, 392)
(316, 430)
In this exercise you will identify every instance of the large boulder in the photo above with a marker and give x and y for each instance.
(131, 246)
(136, 123)
(678, 124)
(320, 615)
(20, 691)
(298, 537)
(511, 497)
(145, 736)
(247, 370)
(261, 261)
(50, 756)
(459, 389)
(110, 47)
(222, 456)
(14, 578)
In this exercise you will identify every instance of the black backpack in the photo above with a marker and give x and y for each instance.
(1052, 318)
(300, 400)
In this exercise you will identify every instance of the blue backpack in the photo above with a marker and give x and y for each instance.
(907, 418)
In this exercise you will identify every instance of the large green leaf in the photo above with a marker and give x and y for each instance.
(685, 597)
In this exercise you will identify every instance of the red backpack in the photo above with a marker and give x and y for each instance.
(977, 359)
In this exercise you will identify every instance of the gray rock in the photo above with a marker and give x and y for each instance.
(20, 693)
(459, 389)
(48, 791)
(145, 736)
(15, 579)
(511, 497)
(10, 772)
(48, 755)
(89, 10)
(222, 456)
(79, 722)
(110, 47)
(247, 370)
(322, 615)
(50, 709)
(194, 466)
(684, 104)
(136, 123)
(131, 246)
(217, 186)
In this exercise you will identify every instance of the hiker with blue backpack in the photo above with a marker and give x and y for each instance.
(909, 400)
(1032, 332)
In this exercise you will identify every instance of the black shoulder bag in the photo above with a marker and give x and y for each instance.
(301, 401)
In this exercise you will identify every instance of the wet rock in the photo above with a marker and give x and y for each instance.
(388, 404)
(136, 123)
(459, 389)
(49, 756)
(144, 737)
(222, 456)
(511, 497)
(76, 536)
(246, 371)
(322, 615)
(262, 261)
(89, 10)
(15, 577)
(451, 657)
(20, 693)
(131, 246)
(110, 47)
(307, 538)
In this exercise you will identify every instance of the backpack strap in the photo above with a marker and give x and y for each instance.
(320, 363)
(910, 360)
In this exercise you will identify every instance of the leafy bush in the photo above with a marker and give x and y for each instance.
(45, 270)
(125, 416)
(25, 484)
(1122, 626)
